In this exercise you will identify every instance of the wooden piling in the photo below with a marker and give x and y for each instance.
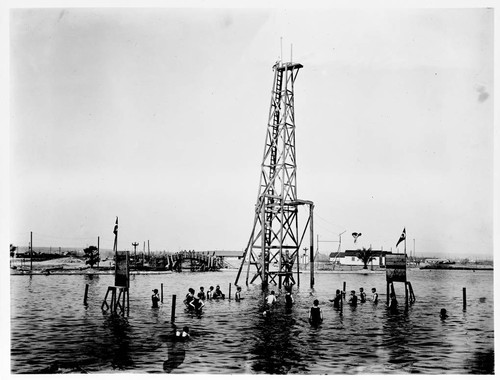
(311, 246)
(342, 300)
(86, 294)
(162, 292)
(406, 294)
(343, 290)
(31, 251)
(172, 314)
(464, 298)
(229, 290)
(387, 293)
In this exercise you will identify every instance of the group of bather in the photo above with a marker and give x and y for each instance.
(315, 313)
(197, 302)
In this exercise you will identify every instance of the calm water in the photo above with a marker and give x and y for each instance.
(52, 331)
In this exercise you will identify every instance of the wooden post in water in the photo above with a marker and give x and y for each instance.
(342, 300)
(387, 293)
(406, 294)
(162, 292)
(229, 290)
(298, 269)
(128, 302)
(464, 297)
(98, 253)
(86, 294)
(343, 289)
(311, 248)
(31, 251)
(172, 315)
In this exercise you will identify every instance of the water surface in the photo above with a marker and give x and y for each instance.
(53, 332)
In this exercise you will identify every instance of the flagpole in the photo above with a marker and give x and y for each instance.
(405, 242)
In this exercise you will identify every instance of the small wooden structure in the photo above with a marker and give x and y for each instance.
(119, 294)
(395, 269)
(119, 300)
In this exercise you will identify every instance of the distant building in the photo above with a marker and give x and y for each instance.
(350, 257)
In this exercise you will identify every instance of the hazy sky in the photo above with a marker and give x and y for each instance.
(158, 116)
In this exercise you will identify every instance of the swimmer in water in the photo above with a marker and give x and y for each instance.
(442, 314)
(237, 296)
(374, 296)
(338, 299)
(201, 293)
(218, 293)
(271, 299)
(184, 334)
(155, 298)
(315, 314)
(210, 293)
(362, 295)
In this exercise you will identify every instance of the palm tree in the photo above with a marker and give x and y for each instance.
(365, 255)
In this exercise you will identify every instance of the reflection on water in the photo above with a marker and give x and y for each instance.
(274, 349)
(176, 350)
(53, 332)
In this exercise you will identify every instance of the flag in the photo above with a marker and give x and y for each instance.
(403, 237)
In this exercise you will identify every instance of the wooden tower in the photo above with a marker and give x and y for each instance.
(273, 247)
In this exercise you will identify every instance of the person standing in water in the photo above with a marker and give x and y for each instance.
(315, 314)
(155, 298)
(271, 299)
(362, 295)
(353, 299)
(218, 293)
(374, 296)
(338, 299)
(201, 293)
(237, 295)
(210, 293)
